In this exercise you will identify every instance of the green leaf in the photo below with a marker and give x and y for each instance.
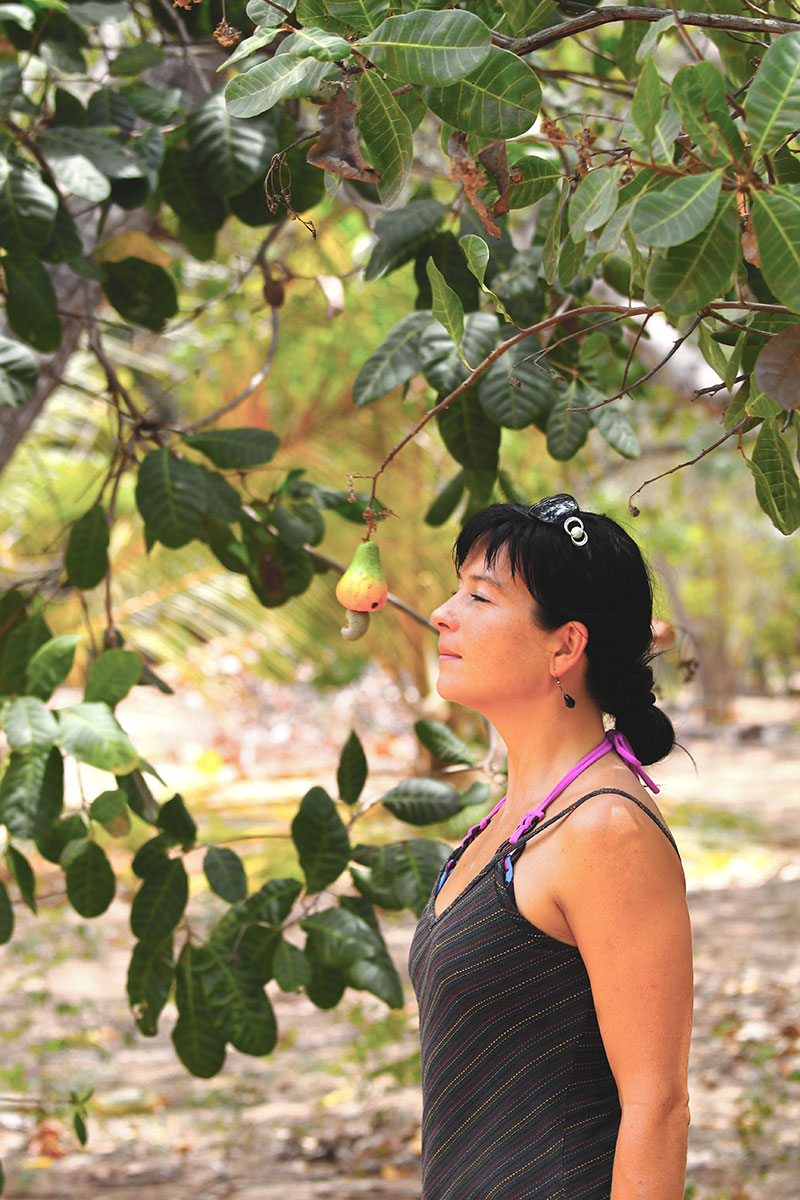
(428, 47)
(533, 178)
(71, 150)
(379, 977)
(86, 558)
(617, 430)
(777, 368)
(140, 798)
(477, 255)
(160, 902)
(595, 200)
(23, 876)
(440, 360)
(422, 801)
(685, 278)
(524, 15)
(499, 99)
(90, 881)
(776, 223)
(326, 986)
(28, 208)
(351, 774)
(237, 1002)
(698, 92)
(151, 855)
(514, 392)
(6, 922)
(290, 967)
(19, 373)
(263, 13)
(386, 132)
(112, 675)
(443, 743)
(159, 105)
(256, 950)
(567, 430)
(471, 438)
(28, 725)
(57, 836)
(446, 306)
(395, 361)
(338, 938)
(648, 104)
(225, 873)
(31, 793)
(106, 807)
(135, 59)
(229, 151)
(171, 497)
(186, 191)
(316, 43)
(777, 485)
(445, 503)
(360, 14)
(91, 733)
(142, 292)
(321, 840)
(679, 212)
(177, 822)
(273, 902)
(772, 107)
(197, 1043)
(31, 303)
(280, 78)
(235, 449)
(150, 975)
(401, 233)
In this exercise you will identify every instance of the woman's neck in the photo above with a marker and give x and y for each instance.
(542, 750)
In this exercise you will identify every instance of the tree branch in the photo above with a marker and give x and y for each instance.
(634, 511)
(255, 382)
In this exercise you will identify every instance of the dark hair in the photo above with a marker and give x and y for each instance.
(606, 586)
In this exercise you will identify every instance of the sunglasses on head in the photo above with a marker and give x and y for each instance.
(561, 510)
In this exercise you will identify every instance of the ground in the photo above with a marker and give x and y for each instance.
(334, 1113)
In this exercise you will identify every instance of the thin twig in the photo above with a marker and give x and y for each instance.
(185, 41)
(684, 32)
(639, 335)
(236, 282)
(676, 345)
(634, 511)
(115, 387)
(254, 383)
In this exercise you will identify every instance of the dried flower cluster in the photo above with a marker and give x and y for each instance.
(227, 34)
(185, 3)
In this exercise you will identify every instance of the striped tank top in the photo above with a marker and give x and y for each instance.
(519, 1102)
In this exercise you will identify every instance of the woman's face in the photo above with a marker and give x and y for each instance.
(491, 653)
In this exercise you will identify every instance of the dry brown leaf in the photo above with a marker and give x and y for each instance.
(495, 159)
(749, 243)
(337, 149)
(777, 370)
(465, 170)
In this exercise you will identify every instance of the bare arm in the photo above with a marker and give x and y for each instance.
(624, 900)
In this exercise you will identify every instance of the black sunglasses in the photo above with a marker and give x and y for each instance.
(562, 509)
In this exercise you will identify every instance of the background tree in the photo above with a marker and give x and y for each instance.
(548, 188)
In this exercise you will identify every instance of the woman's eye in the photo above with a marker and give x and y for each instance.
(482, 599)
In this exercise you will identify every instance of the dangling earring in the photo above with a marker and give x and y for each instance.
(568, 700)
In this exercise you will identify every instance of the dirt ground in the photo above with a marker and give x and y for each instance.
(334, 1113)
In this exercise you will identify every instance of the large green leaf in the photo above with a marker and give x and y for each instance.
(280, 78)
(446, 502)
(360, 14)
(23, 876)
(616, 429)
(177, 822)
(160, 902)
(31, 793)
(235, 449)
(50, 665)
(395, 361)
(326, 985)
(19, 372)
(533, 178)
(776, 223)
(90, 880)
(648, 104)
(525, 15)
(471, 438)
(86, 557)
(237, 1002)
(338, 938)
(594, 200)
(685, 278)
(514, 392)
(186, 191)
(142, 292)
(264, 13)
(57, 836)
(440, 360)
(229, 151)
(422, 801)
(6, 921)
(31, 302)
(171, 497)
(428, 47)
(29, 725)
(386, 131)
(70, 150)
(150, 975)
(290, 967)
(22, 634)
(91, 733)
(197, 1042)
(772, 107)
(225, 873)
(321, 44)
(777, 485)
(445, 304)
(443, 743)
(401, 233)
(567, 429)
(679, 212)
(28, 208)
(698, 92)
(402, 875)
(351, 774)
(112, 675)
(321, 840)
(499, 99)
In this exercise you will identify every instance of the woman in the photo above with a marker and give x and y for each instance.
(553, 963)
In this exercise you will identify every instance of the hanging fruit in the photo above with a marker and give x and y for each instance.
(362, 589)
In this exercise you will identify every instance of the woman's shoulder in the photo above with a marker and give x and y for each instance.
(619, 816)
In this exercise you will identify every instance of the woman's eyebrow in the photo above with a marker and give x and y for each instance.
(482, 577)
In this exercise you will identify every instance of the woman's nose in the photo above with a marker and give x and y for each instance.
(442, 617)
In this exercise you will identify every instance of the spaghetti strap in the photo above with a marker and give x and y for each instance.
(519, 846)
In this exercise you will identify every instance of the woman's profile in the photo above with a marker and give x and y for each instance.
(552, 965)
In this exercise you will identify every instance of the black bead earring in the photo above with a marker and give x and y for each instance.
(568, 700)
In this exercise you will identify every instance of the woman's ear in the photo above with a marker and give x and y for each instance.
(572, 640)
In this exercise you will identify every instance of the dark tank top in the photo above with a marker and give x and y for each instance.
(519, 1102)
